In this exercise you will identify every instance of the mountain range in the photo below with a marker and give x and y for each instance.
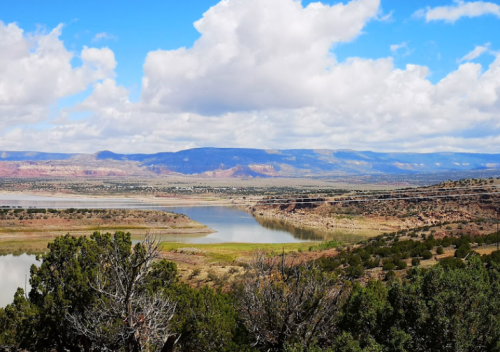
(240, 162)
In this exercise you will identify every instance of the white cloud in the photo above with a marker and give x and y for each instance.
(385, 17)
(367, 104)
(265, 77)
(458, 10)
(35, 71)
(402, 48)
(103, 36)
(253, 55)
(475, 53)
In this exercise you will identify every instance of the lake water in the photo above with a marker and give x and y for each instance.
(14, 273)
(230, 224)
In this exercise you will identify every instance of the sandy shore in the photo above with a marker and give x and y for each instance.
(25, 224)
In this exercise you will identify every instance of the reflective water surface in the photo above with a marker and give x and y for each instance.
(233, 225)
(14, 273)
(230, 224)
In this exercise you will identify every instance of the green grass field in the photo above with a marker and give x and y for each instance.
(229, 252)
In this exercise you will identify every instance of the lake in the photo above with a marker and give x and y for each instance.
(230, 224)
(14, 273)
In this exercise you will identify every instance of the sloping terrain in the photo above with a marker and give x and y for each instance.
(305, 162)
(468, 206)
(239, 162)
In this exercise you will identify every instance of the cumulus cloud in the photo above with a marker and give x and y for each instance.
(367, 104)
(460, 9)
(36, 70)
(253, 55)
(266, 77)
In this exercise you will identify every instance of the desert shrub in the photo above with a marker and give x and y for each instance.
(195, 273)
(415, 261)
(355, 271)
(463, 250)
(328, 263)
(446, 241)
(401, 265)
(211, 275)
(364, 255)
(417, 250)
(494, 257)
(426, 255)
(452, 263)
(439, 250)
(389, 266)
(371, 263)
(354, 260)
(390, 275)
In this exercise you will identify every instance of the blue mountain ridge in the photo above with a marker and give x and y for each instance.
(291, 162)
(33, 156)
(199, 160)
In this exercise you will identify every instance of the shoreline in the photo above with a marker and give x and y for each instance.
(31, 224)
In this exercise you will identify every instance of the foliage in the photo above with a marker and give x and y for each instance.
(284, 303)
(452, 263)
(207, 320)
(129, 305)
(82, 291)
(463, 250)
(426, 254)
(96, 293)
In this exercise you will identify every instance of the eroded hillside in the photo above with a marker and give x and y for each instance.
(469, 204)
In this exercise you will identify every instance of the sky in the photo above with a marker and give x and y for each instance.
(153, 76)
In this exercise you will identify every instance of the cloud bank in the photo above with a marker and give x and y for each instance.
(263, 74)
(36, 70)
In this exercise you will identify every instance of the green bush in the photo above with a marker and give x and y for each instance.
(401, 265)
(389, 266)
(494, 257)
(415, 261)
(354, 260)
(446, 241)
(439, 250)
(426, 255)
(463, 250)
(371, 263)
(390, 275)
(452, 263)
(356, 271)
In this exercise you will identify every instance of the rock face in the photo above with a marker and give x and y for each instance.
(471, 209)
(234, 162)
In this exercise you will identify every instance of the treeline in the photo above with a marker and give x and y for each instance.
(102, 294)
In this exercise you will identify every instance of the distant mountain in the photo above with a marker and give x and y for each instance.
(33, 156)
(305, 162)
(239, 162)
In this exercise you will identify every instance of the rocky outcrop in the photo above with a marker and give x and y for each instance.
(400, 210)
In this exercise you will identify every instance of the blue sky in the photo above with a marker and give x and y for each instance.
(277, 107)
(135, 28)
